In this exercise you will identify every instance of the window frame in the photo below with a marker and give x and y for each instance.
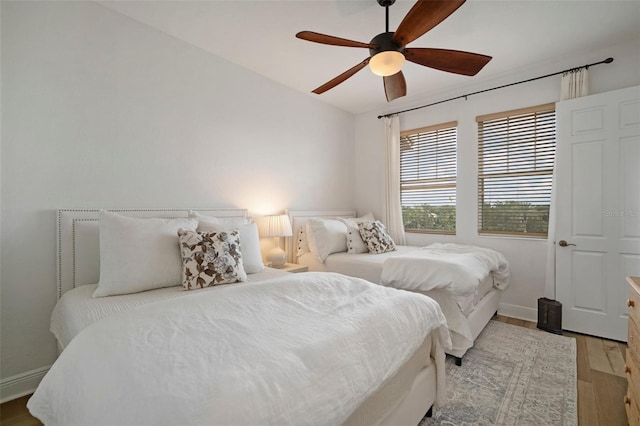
(539, 150)
(432, 183)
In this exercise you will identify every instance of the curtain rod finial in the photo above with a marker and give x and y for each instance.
(608, 60)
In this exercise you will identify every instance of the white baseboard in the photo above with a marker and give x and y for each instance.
(21, 384)
(520, 312)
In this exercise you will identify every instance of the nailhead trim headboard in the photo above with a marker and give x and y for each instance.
(78, 249)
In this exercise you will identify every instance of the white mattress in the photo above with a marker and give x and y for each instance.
(78, 309)
(369, 267)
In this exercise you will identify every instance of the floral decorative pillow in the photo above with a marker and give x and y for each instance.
(210, 258)
(375, 235)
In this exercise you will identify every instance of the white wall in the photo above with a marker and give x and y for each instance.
(101, 111)
(527, 257)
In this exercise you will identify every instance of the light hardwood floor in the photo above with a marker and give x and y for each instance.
(601, 383)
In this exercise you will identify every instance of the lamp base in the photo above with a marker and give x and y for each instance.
(277, 257)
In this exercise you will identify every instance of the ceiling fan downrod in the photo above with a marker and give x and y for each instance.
(386, 4)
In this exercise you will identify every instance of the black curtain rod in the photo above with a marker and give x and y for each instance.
(606, 61)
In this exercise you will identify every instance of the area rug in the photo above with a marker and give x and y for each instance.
(512, 376)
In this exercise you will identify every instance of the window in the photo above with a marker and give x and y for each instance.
(428, 178)
(516, 152)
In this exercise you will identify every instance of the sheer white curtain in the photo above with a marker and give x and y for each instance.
(550, 275)
(393, 207)
(574, 84)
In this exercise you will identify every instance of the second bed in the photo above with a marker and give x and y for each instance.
(467, 312)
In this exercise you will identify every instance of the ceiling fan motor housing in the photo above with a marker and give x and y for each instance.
(384, 43)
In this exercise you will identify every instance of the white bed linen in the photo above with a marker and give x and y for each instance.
(370, 266)
(457, 268)
(303, 348)
(456, 308)
(362, 265)
(78, 309)
(459, 327)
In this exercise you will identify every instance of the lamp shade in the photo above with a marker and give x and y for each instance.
(275, 226)
(386, 63)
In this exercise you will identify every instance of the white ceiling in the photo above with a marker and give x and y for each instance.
(260, 35)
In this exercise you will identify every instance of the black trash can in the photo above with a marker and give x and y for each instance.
(550, 315)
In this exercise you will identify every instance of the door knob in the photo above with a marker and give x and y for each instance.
(563, 243)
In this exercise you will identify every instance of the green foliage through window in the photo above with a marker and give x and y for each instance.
(514, 216)
(429, 218)
(428, 166)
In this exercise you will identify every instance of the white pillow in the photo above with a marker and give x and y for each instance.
(139, 254)
(221, 221)
(303, 241)
(326, 236)
(249, 239)
(355, 244)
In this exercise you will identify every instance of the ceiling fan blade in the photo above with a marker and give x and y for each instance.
(423, 16)
(455, 61)
(341, 78)
(395, 86)
(333, 41)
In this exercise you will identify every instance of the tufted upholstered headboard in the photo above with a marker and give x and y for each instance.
(299, 217)
(78, 240)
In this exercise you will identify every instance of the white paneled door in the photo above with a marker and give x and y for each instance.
(598, 210)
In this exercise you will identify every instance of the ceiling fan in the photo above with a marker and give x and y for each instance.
(388, 51)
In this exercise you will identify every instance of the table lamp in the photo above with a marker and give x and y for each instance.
(275, 226)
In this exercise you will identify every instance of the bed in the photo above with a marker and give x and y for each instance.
(468, 309)
(278, 348)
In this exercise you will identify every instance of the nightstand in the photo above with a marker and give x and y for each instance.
(294, 267)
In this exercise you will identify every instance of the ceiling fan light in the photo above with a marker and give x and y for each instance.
(386, 63)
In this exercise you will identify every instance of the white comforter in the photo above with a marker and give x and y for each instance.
(302, 349)
(77, 309)
(457, 268)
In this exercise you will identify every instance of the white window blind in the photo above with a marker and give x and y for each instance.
(516, 152)
(428, 178)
